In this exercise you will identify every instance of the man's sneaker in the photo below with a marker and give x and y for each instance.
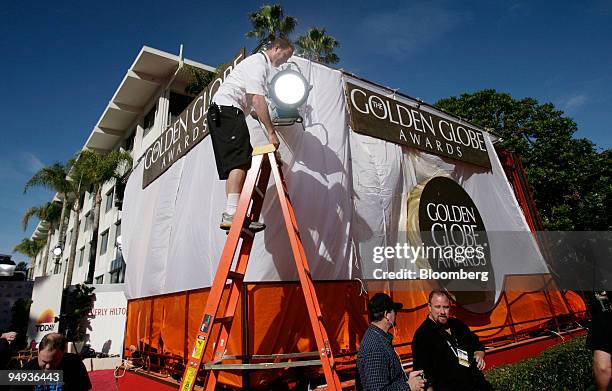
(226, 223)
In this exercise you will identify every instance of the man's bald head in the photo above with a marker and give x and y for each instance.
(279, 51)
(51, 350)
(53, 341)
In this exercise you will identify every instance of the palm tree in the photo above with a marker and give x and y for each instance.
(319, 46)
(96, 170)
(270, 23)
(49, 213)
(199, 79)
(55, 177)
(79, 187)
(30, 248)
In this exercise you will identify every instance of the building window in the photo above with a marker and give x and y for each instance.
(109, 200)
(100, 279)
(88, 221)
(103, 242)
(149, 121)
(117, 272)
(68, 237)
(178, 103)
(128, 143)
(81, 255)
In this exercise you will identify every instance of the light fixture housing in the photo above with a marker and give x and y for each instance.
(288, 91)
(57, 251)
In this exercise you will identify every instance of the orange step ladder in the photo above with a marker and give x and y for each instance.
(251, 202)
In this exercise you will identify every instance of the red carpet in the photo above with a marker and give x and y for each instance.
(103, 380)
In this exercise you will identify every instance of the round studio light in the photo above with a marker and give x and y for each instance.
(57, 251)
(289, 88)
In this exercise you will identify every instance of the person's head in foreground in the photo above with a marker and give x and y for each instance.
(51, 351)
(383, 311)
(439, 307)
(279, 51)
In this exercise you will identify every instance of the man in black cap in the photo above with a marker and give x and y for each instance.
(378, 365)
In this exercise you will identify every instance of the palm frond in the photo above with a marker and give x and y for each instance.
(317, 45)
(29, 213)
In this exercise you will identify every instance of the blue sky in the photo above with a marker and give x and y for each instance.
(61, 62)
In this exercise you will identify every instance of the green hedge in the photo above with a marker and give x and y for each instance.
(566, 366)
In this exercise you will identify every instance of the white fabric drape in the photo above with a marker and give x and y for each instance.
(348, 191)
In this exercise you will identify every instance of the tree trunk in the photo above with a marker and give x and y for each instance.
(94, 236)
(73, 241)
(31, 272)
(62, 225)
(46, 250)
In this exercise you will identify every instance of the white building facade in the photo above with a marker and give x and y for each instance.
(151, 93)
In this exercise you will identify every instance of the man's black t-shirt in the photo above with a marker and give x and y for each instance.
(600, 336)
(432, 352)
(75, 374)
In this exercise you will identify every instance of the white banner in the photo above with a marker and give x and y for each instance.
(349, 191)
(46, 305)
(108, 322)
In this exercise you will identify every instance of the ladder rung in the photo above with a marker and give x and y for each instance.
(224, 319)
(235, 276)
(264, 365)
(247, 232)
(259, 192)
(283, 355)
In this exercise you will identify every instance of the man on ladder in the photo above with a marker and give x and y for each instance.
(243, 89)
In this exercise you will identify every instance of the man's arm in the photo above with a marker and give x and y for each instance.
(9, 336)
(476, 347)
(422, 357)
(602, 369)
(479, 358)
(261, 109)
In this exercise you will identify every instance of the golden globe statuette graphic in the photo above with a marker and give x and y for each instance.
(443, 219)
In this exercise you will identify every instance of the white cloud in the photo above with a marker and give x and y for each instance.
(19, 167)
(31, 162)
(408, 29)
(574, 102)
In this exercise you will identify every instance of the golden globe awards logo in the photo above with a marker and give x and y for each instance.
(442, 216)
(397, 121)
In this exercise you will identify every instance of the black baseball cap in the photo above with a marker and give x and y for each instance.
(381, 302)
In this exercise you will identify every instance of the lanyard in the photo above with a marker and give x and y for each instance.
(455, 351)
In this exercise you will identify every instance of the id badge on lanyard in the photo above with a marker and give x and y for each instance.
(462, 356)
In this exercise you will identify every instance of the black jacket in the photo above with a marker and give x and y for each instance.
(432, 353)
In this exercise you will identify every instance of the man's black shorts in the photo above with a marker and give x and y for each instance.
(230, 139)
